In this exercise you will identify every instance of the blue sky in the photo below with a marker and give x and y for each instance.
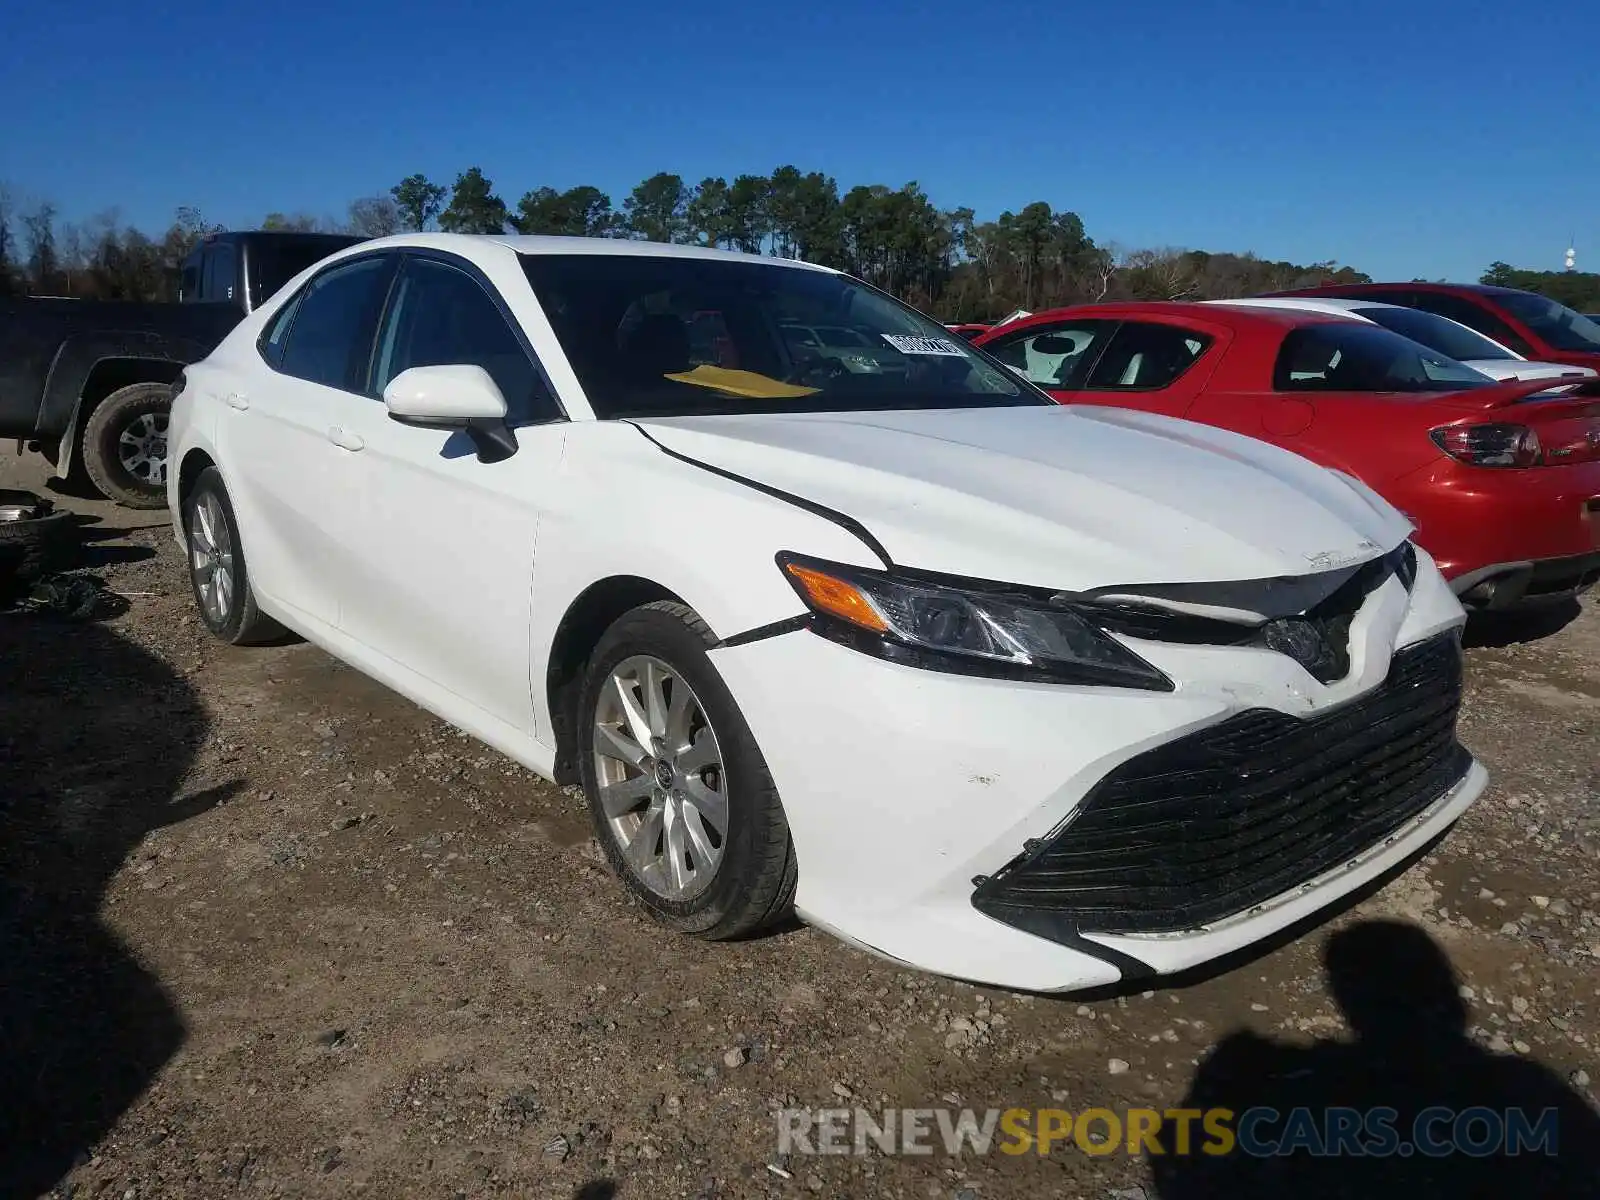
(1405, 137)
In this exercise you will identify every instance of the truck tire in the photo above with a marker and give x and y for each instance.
(125, 445)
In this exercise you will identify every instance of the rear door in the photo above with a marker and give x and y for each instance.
(283, 452)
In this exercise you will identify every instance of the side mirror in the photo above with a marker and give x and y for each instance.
(454, 396)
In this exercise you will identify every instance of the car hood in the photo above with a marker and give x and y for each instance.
(1070, 498)
(1511, 368)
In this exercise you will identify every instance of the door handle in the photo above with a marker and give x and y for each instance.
(237, 400)
(344, 439)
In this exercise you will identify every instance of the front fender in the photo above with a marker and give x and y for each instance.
(623, 507)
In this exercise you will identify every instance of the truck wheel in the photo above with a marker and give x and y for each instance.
(125, 445)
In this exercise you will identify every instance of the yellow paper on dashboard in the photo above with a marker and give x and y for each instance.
(742, 383)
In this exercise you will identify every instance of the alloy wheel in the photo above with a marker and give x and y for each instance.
(142, 448)
(659, 770)
(211, 558)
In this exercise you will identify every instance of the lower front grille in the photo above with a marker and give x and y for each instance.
(1207, 826)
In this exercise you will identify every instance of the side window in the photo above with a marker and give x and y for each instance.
(276, 335)
(221, 273)
(1057, 356)
(1473, 316)
(1143, 357)
(442, 316)
(330, 337)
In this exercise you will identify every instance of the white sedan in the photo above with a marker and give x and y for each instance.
(1037, 696)
(1440, 334)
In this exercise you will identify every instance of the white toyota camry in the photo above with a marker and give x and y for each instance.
(1038, 696)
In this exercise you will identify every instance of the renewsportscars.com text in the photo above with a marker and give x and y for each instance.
(1259, 1132)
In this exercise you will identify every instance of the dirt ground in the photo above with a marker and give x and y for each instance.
(267, 929)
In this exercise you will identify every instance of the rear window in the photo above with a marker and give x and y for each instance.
(1348, 357)
(1436, 333)
(276, 260)
(1555, 323)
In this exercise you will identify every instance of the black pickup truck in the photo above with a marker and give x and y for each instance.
(87, 383)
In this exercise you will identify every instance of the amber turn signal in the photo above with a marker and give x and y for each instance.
(837, 598)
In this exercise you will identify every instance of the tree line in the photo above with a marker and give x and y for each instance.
(944, 261)
(1575, 289)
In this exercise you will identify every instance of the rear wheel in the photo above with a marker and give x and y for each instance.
(217, 568)
(681, 798)
(125, 445)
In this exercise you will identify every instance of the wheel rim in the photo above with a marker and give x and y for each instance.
(211, 559)
(661, 781)
(142, 448)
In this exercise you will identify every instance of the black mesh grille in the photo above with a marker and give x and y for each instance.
(1223, 819)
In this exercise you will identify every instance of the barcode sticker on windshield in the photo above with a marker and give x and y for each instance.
(922, 345)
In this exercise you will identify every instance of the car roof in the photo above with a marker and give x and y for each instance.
(523, 243)
(1356, 289)
(1197, 310)
(1331, 304)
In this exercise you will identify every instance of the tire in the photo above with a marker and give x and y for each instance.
(211, 541)
(752, 883)
(32, 549)
(133, 475)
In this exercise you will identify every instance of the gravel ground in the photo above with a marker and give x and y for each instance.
(269, 929)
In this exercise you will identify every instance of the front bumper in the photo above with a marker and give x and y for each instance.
(906, 788)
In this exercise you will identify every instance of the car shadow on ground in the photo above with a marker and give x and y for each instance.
(1494, 630)
(96, 738)
(1336, 1118)
(92, 550)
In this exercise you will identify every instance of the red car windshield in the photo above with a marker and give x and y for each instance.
(1343, 356)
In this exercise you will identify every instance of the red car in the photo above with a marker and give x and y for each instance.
(1502, 480)
(1532, 325)
(970, 329)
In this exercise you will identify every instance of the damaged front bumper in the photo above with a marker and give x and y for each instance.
(909, 792)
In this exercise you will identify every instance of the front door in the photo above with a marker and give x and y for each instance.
(443, 577)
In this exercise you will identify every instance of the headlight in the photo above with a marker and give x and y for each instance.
(945, 627)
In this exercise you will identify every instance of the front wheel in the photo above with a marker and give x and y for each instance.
(680, 795)
(216, 566)
(125, 445)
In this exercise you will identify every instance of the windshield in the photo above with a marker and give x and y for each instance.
(1555, 323)
(1436, 333)
(1346, 357)
(665, 336)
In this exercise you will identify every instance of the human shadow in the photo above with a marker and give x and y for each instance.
(96, 737)
(1336, 1118)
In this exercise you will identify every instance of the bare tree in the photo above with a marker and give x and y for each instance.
(1165, 274)
(374, 216)
(39, 230)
